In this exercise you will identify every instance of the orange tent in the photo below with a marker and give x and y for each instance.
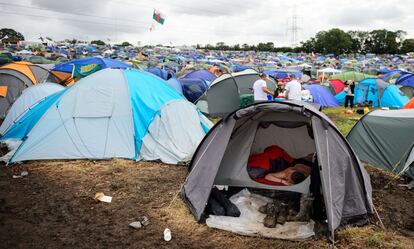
(17, 76)
(409, 105)
(34, 72)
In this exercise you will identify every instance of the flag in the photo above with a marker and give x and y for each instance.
(80, 71)
(158, 16)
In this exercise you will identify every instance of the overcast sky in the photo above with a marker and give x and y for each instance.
(201, 21)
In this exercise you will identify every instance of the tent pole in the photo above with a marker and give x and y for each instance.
(379, 218)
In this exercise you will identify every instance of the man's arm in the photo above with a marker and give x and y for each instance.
(287, 91)
(266, 90)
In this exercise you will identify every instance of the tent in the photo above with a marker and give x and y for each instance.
(113, 113)
(409, 105)
(17, 76)
(193, 88)
(223, 95)
(174, 83)
(163, 74)
(354, 76)
(386, 140)
(407, 90)
(29, 97)
(406, 80)
(200, 74)
(377, 91)
(298, 128)
(73, 70)
(326, 72)
(322, 96)
(338, 85)
(392, 76)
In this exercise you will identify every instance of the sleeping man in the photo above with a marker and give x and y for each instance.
(275, 167)
(290, 176)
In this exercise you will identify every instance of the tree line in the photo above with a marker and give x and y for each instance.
(336, 41)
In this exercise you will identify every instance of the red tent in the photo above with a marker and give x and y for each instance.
(338, 85)
(409, 105)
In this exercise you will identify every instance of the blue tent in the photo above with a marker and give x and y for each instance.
(281, 74)
(200, 74)
(67, 67)
(239, 67)
(406, 80)
(113, 113)
(377, 91)
(174, 83)
(322, 96)
(391, 74)
(163, 74)
(193, 88)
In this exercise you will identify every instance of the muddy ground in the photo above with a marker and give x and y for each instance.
(53, 207)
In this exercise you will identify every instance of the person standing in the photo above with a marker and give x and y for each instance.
(260, 90)
(293, 89)
(350, 93)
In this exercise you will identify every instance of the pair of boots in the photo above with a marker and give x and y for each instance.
(276, 213)
(279, 212)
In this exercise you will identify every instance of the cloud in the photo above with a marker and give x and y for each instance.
(201, 21)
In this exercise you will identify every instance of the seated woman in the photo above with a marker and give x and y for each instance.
(290, 176)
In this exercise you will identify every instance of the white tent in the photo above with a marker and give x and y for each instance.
(30, 97)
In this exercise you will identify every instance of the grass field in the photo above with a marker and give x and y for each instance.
(53, 207)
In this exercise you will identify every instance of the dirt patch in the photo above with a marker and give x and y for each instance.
(53, 207)
(394, 203)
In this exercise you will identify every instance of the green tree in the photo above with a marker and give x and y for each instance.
(98, 42)
(126, 44)
(309, 46)
(382, 41)
(11, 34)
(359, 41)
(334, 41)
(407, 46)
(245, 47)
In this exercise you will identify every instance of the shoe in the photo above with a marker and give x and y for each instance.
(305, 208)
(281, 218)
(270, 221)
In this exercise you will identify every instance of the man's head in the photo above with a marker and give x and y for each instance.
(293, 76)
(297, 177)
(262, 76)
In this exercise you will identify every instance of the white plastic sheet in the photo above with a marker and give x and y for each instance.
(250, 222)
(12, 146)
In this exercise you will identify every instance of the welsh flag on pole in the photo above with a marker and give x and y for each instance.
(158, 16)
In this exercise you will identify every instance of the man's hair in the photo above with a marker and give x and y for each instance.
(262, 75)
(293, 76)
(297, 177)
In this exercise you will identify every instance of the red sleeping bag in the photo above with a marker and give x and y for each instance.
(262, 160)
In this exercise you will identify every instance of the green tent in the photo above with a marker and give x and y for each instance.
(354, 76)
(230, 91)
(386, 140)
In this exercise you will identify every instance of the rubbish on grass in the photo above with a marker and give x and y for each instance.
(167, 234)
(136, 225)
(144, 220)
(103, 198)
(22, 174)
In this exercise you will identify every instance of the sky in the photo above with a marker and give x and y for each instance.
(190, 22)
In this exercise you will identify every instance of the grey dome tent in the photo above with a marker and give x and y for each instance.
(17, 76)
(299, 128)
(223, 94)
(386, 140)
